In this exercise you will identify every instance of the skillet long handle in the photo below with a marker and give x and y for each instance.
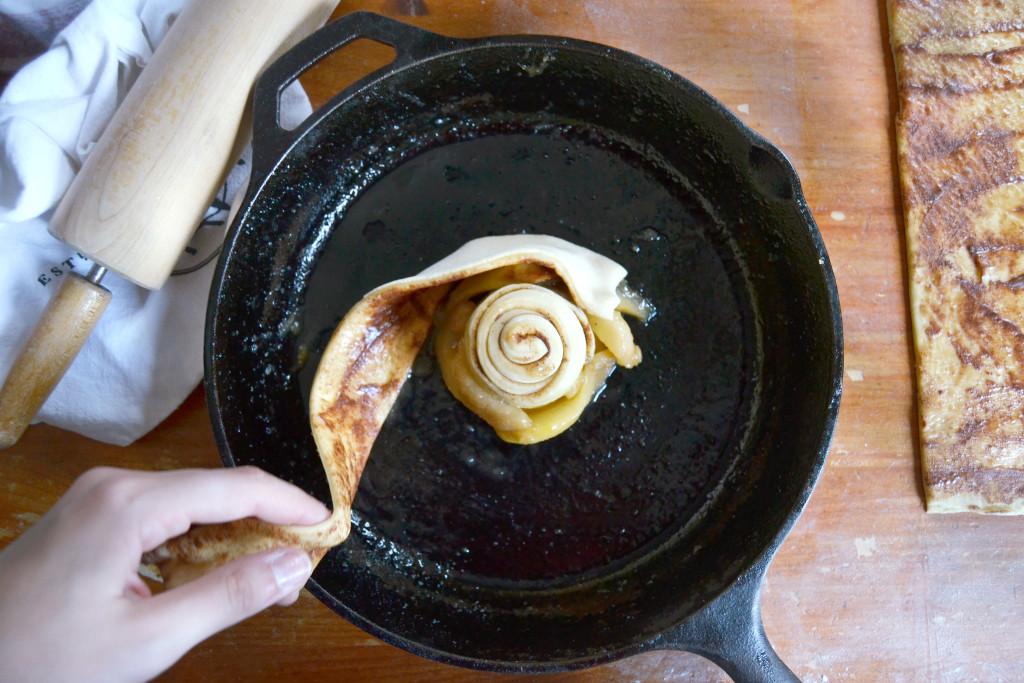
(729, 631)
(59, 335)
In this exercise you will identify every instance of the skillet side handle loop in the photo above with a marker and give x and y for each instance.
(772, 173)
(729, 632)
(270, 139)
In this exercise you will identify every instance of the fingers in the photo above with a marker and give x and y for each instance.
(222, 495)
(161, 505)
(89, 544)
(181, 618)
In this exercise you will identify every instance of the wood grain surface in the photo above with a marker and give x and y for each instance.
(867, 587)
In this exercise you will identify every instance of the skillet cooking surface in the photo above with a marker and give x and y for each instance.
(684, 472)
(654, 444)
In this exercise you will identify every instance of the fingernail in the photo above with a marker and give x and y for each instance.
(291, 569)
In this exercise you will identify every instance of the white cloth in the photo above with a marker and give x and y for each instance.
(145, 355)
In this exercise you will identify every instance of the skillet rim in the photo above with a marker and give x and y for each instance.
(265, 170)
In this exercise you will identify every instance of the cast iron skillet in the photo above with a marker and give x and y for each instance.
(649, 524)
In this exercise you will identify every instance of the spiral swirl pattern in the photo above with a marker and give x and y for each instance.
(529, 343)
(529, 367)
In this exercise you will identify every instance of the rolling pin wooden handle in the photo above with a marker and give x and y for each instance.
(59, 335)
(162, 158)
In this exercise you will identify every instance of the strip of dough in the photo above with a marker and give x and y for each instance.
(360, 374)
(960, 140)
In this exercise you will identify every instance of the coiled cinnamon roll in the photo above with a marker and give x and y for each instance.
(516, 349)
(528, 329)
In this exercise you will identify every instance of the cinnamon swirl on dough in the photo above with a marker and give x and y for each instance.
(960, 138)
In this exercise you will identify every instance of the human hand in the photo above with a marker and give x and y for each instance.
(73, 606)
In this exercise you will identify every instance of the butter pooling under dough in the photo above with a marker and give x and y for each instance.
(565, 306)
(519, 353)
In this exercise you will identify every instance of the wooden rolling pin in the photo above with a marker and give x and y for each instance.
(153, 174)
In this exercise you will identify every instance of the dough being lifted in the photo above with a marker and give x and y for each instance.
(554, 342)
(960, 137)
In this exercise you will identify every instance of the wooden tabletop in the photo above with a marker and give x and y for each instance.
(867, 586)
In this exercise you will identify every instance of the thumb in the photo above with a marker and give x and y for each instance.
(196, 610)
